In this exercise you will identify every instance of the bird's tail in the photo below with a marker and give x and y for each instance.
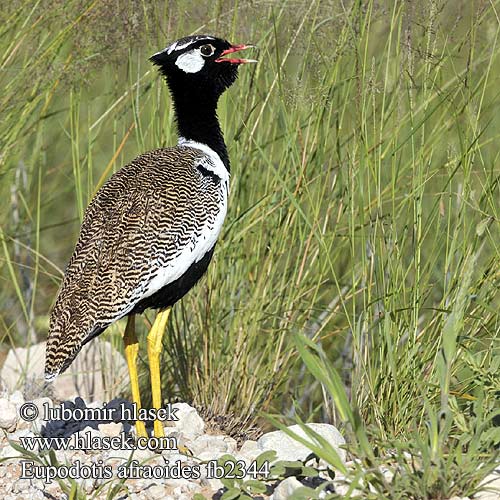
(63, 343)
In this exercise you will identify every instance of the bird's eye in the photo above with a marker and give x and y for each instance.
(207, 50)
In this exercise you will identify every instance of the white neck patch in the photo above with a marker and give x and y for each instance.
(190, 62)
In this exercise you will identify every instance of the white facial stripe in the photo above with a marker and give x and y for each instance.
(190, 62)
(180, 46)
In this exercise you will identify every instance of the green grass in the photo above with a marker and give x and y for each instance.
(363, 221)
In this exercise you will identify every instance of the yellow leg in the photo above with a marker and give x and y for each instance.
(131, 352)
(154, 349)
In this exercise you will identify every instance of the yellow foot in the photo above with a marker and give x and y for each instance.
(184, 450)
(158, 428)
(131, 353)
(140, 429)
(154, 350)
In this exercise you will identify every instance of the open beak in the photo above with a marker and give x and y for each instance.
(235, 48)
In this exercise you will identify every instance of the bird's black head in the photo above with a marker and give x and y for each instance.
(197, 63)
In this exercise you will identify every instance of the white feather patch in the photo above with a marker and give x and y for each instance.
(212, 163)
(190, 62)
(180, 46)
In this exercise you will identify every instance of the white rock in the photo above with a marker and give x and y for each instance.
(9, 452)
(172, 431)
(95, 404)
(53, 489)
(87, 484)
(210, 455)
(98, 372)
(15, 436)
(179, 495)
(288, 449)
(180, 440)
(232, 444)
(213, 483)
(189, 423)
(21, 423)
(17, 398)
(20, 486)
(249, 445)
(285, 489)
(342, 486)
(37, 495)
(111, 429)
(387, 473)
(156, 491)
(139, 455)
(37, 484)
(64, 456)
(490, 487)
(43, 404)
(174, 457)
(193, 487)
(250, 450)
(85, 439)
(24, 425)
(8, 415)
(180, 483)
(207, 443)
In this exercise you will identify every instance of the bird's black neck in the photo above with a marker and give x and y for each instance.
(197, 120)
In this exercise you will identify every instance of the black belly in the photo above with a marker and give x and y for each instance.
(171, 293)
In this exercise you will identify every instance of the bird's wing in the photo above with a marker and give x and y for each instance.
(144, 228)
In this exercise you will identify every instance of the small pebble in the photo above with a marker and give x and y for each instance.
(156, 491)
(111, 429)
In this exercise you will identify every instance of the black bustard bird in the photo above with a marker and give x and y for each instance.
(149, 233)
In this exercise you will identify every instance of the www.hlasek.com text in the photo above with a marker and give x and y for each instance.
(85, 440)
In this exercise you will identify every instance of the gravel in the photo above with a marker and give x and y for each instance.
(149, 473)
